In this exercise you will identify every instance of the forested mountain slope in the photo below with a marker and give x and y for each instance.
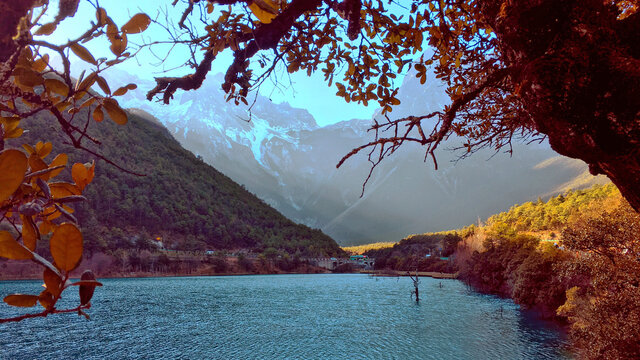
(186, 203)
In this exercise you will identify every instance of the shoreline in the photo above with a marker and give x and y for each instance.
(140, 275)
(393, 273)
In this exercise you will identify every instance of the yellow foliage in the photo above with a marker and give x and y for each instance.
(360, 249)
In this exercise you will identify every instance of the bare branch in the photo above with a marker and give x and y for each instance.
(442, 129)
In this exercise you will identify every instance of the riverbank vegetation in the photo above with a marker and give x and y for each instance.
(574, 259)
(150, 262)
(423, 252)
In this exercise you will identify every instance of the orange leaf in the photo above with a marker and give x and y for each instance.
(115, 111)
(101, 16)
(83, 53)
(80, 175)
(63, 189)
(29, 233)
(46, 29)
(138, 23)
(41, 64)
(44, 150)
(118, 44)
(37, 164)
(46, 299)
(98, 115)
(21, 300)
(13, 165)
(264, 10)
(66, 246)
(57, 86)
(59, 160)
(52, 281)
(11, 249)
(45, 227)
(103, 84)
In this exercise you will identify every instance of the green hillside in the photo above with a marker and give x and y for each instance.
(556, 212)
(186, 203)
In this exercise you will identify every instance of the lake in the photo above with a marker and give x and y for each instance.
(323, 316)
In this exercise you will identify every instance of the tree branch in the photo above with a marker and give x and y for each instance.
(45, 313)
(441, 130)
(265, 36)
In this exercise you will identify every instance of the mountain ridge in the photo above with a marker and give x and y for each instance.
(181, 200)
(289, 161)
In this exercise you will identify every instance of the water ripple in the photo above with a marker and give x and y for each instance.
(281, 317)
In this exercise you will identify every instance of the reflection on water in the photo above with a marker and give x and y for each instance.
(281, 316)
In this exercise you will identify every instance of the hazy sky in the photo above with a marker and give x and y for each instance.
(311, 93)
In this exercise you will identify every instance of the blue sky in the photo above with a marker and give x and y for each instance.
(311, 93)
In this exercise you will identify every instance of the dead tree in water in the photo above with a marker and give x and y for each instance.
(416, 282)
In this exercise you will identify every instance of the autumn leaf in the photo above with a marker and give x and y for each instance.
(123, 90)
(115, 111)
(46, 299)
(88, 285)
(264, 10)
(43, 149)
(103, 84)
(21, 300)
(29, 233)
(63, 189)
(101, 16)
(57, 87)
(66, 246)
(97, 114)
(27, 77)
(13, 165)
(118, 45)
(46, 29)
(83, 53)
(52, 281)
(59, 160)
(82, 174)
(137, 24)
(41, 64)
(11, 249)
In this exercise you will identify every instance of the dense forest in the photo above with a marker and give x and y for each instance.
(556, 212)
(573, 258)
(179, 201)
(423, 252)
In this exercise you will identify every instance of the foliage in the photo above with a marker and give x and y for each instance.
(552, 215)
(590, 280)
(35, 205)
(512, 69)
(409, 253)
(519, 267)
(604, 308)
(361, 249)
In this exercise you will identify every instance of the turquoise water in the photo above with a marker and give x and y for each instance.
(349, 316)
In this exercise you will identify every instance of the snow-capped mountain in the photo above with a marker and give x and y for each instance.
(279, 153)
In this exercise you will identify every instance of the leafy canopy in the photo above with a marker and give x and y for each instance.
(566, 70)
